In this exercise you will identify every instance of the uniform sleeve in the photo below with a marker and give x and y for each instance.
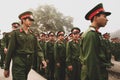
(39, 50)
(90, 48)
(68, 55)
(11, 50)
(55, 52)
(81, 52)
(4, 41)
(46, 56)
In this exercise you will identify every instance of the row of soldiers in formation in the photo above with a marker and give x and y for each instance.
(62, 53)
(80, 57)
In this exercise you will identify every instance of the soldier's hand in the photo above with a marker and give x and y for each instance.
(47, 61)
(6, 73)
(5, 50)
(70, 68)
(44, 64)
(58, 64)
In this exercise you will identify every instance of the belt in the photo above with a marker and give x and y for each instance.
(28, 55)
(24, 55)
(76, 59)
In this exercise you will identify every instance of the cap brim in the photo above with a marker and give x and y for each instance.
(15, 26)
(106, 13)
(31, 19)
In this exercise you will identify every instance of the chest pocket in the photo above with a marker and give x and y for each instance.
(21, 38)
(25, 38)
(30, 38)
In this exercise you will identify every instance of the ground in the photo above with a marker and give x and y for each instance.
(32, 76)
(114, 73)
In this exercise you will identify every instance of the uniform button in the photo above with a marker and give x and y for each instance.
(28, 56)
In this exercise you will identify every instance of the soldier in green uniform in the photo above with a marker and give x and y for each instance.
(49, 54)
(2, 55)
(107, 48)
(93, 55)
(116, 48)
(2, 51)
(73, 51)
(42, 42)
(60, 56)
(22, 46)
(7, 36)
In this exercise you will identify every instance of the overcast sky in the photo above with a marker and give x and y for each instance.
(10, 9)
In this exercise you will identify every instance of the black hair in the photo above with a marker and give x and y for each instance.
(95, 15)
(76, 29)
(60, 32)
(51, 33)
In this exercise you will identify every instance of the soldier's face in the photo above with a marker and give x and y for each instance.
(61, 37)
(107, 36)
(42, 37)
(76, 36)
(101, 20)
(27, 22)
(51, 37)
(13, 28)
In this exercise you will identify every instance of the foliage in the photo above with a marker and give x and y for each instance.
(47, 18)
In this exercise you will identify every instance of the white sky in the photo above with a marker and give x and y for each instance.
(10, 9)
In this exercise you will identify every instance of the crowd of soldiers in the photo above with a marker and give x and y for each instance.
(63, 54)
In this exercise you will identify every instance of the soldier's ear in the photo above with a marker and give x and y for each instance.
(23, 20)
(95, 18)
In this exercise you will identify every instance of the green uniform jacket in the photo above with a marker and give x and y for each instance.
(107, 49)
(93, 57)
(73, 51)
(60, 51)
(60, 57)
(116, 51)
(22, 44)
(1, 44)
(42, 44)
(6, 39)
(49, 50)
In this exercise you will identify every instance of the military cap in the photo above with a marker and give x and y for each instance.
(4, 33)
(106, 34)
(15, 24)
(60, 33)
(115, 38)
(70, 34)
(75, 30)
(51, 33)
(81, 33)
(27, 14)
(42, 34)
(98, 9)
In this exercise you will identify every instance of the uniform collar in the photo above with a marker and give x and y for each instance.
(94, 29)
(21, 30)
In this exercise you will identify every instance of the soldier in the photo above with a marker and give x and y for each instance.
(107, 48)
(73, 51)
(42, 42)
(49, 54)
(22, 46)
(93, 55)
(116, 48)
(7, 36)
(15, 25)
(60, 56)
(2, 55)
